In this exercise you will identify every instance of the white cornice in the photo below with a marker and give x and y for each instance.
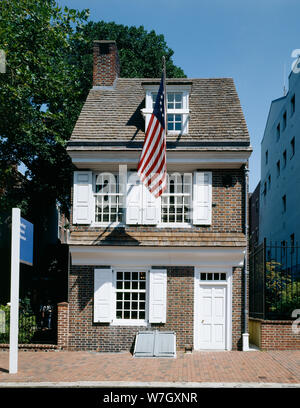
(188, 160)
(154, 256)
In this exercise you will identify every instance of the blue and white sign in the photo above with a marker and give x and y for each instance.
(26, 242)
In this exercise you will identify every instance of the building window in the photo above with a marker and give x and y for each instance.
(174, 122)
(265, 188)
(212, 276)
(293, 105)
(177, 198)
(292, 147)
(284, 159)
(177, 101)
(256, 206)
(284, 121)
(108, 208)
(267, 156)
(278, 131)
(284, 203)
(174, 100)
(278, 168)
(292, 237)
(131, 289)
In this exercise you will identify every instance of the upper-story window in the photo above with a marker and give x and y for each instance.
(293, 104)
(177, 107)
(108, 203)
(105, 198)
(284, 121)
(292, 147)
(278, 131)
(176, 200)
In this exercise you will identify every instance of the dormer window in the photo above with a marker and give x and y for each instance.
(177, 107)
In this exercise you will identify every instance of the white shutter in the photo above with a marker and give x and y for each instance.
(82, 197)
(103, 296)
(134, 199)
(158, 296)
(151, 208)
(202, 200)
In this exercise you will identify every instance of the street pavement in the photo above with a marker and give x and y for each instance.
(198, 369)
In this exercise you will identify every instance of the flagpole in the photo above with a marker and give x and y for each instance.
(165, 94)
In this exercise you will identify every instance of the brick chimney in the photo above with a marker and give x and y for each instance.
(106, 67)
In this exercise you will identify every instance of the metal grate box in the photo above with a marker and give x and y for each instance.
(155, 344)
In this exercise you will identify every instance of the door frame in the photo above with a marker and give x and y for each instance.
(228, 314)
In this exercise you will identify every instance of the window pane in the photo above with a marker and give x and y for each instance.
(203, 276)
(223, 276)
(131, 295)
(209, 276)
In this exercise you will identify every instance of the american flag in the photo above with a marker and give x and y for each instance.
(152, 167)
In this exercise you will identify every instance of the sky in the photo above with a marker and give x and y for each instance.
(250, 41)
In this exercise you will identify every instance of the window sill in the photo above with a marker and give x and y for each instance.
(129, 322)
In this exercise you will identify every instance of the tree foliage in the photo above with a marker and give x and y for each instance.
(48, 75)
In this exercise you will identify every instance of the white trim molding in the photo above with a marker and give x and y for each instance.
(156, 256)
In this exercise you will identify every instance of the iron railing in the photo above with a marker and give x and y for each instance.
(274, 281)
(31, 330)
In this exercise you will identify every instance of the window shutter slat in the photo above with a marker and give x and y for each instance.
(82, 197)
(134, 199)
(103, 296)
(151, 208)
(158, 296)
(202, 199)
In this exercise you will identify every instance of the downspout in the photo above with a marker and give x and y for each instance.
(245, 331)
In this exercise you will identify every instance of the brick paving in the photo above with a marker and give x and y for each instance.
(228, 367)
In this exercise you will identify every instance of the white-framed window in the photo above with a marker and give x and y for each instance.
(104, 199)
(131, 294)
(177, 107)
(215, 276)
(108, 199)
(176, 201)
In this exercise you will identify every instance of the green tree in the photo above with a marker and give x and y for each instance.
(49, 73)
(282, 292)
(40, 97)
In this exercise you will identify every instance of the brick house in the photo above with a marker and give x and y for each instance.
(174, 263)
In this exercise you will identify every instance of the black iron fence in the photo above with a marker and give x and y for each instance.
(32, 328)
(274, 281)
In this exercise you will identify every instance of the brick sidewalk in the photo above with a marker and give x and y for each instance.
(229, 367)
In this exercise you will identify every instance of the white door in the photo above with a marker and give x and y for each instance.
(212, 317)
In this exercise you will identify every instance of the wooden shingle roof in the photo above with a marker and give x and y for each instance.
(112, 115)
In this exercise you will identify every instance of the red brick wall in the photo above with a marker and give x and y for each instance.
(278, 335)
(86, 335)
(237, 308)
(106, 67)
(62, 325)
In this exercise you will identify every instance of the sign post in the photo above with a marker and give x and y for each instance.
(21, 251)
(14, 291)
